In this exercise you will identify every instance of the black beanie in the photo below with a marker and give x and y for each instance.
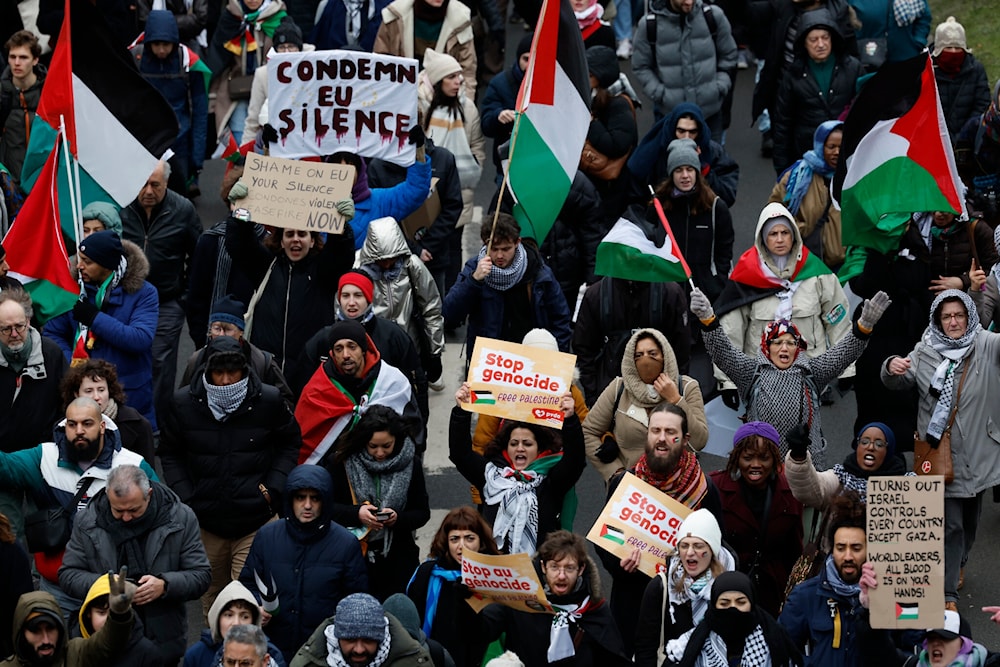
(104, 248)
(287, 33)
(603, 65)
(351, 330)
(524, 46)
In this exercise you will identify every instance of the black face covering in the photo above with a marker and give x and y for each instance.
(733, 625)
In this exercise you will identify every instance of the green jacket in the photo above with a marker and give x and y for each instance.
(99, 650)
(404, 650)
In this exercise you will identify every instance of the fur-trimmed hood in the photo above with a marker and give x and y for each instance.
(138, 267)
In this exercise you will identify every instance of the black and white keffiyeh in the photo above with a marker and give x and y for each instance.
(226, 399)
(517, 512)
(503, 279)
(335, 658)
(560, 642)
(953, 350)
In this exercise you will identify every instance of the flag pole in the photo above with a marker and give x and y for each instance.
(666, 227)
(505, 184)
(73, 191)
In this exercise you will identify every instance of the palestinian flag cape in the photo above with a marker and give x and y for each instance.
(552, 122)
(326, 410)
(896, 157)
(638, 251)
(749, 282)
(117, 124)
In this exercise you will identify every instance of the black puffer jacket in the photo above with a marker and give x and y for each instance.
(800, 108)
(964, 95)
(217, 468)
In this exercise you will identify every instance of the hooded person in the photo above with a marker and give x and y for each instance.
(963, 86)
(301, 567)
(99, 216)
(734, 628)
(235, 605)
(140, 651)
(649, 377)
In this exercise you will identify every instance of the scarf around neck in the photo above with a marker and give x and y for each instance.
(952, 352)
(223, 401)
(111, 409)
(560, 643)
(714, 652)
(682, 588)
(686, 484)
(503, 279)
(838, 585)
(970, 655)
(335, 658)
(589, 16)
(514, 492)
(383, 483)
(18, 359)
(129, 538)
(801, 173)
(446, 128)
(439, 575)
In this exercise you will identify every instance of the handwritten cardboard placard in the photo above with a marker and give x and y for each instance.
(639, 515)
(519, 382)
(906, 545)
(321, 102)
(510, 580)
(296, 195)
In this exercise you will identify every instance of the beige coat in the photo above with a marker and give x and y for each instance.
(810, 211)
(395, 37)
(810, 487)
(632, 417)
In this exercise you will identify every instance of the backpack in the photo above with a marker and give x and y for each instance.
(713, 29)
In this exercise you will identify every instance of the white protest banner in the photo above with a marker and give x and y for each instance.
(321, 102)
(639, 515)
(906, 546)
(296, 195)
(519, 382)
(510, 580)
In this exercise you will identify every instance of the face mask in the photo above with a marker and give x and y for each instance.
(648, 368)
(951, 62)
(733, 625)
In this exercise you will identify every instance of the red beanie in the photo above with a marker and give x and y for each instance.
(359, 280)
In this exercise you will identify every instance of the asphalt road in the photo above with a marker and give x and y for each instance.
(448, 489)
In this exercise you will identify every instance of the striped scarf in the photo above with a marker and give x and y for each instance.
(686, 484)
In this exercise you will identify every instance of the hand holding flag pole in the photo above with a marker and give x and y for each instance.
(670, 234)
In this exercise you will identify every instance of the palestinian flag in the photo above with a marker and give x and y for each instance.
(118, 126)
(896, 156)
(482, 397)
(613, 534)
(628, 252)
(35, 249)
(552, 123)
(907, 611)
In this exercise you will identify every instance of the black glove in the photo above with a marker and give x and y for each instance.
(460, 589)
(731, 398)
(798, 441)
(609, 449)
(85, 312)
(433, 368)
(417, 136)
(269, 134)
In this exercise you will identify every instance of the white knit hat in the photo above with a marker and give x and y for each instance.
(702, 524)
(542, 339)
(949, 33)
(506, 659)
(439, 65)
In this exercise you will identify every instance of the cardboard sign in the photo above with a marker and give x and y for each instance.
(416, 224)
(519, 382)
(906, 545)
(296, 195)
(321, 102)
(639, 515)
(510, 580)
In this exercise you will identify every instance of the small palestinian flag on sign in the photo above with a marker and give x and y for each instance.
(907, 611)
(613, 534)
(483, 397)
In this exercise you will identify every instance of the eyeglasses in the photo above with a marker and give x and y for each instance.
(877, 443)
(233, 662)
(953, 316)
(223, 328)
(784, 343)
(19, 328)
(569, 570)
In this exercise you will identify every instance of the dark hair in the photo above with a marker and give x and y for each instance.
(702, 200)
(272, 241)
(548, 440)
(6, 532)
(753, 444)
(228, 181)
(940, 307)
(648, 336)
(505, 229)
(227, 361)
(846, 511)
(462, 518)
(561, 543)
(671, 409)
(350, 158)
(453, 104)
(24, 38)
(377, 418)
(602, 98)
(98, 602)
(93, 369)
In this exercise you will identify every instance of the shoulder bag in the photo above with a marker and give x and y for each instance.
(931, 459)
(48, 530)
(597, 164)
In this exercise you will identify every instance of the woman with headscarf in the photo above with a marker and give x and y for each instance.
(954, 369)
(99, 216)
(804, 189)
(778, 278)
(676, 600)
(735, 630)
(779, 385)
(761, 520)
(380, 495)
(649, 377)
(525, 474)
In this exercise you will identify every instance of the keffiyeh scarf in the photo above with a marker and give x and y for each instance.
(560, 642)
(503, 279)
(714, 652)
(335, 658)
(953, 351)
(85, 340)
(905, 12)
(225, 400)
(514, 491)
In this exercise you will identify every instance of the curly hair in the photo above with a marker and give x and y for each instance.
(846, 511)
(753, 444)
(548, 440)
(563, 544)
(93, 369)
(377, 418)
(462, 518)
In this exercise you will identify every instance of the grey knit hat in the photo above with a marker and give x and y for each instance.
(359, 616)
(682, 153)
(951, 33)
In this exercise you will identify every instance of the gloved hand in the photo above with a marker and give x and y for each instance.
(433, 368)
(700, 305)
(461, 590)
(85, 312)
(269, 134)
(346, 208)
(609, 449)
(798, 441)
(731, 398)
(121, 592)
(873, 310)
(417, 136)
(238, 191)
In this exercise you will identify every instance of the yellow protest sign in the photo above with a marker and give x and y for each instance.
(296, 195)
(906, 545)
(639, 515)
(519, 382)
(510, 580)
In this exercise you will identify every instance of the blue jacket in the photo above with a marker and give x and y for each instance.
(397, 202)
(330, 32)
(313, 566)
(501, 94)
(809, 619)
(123, 331)
(484, 306)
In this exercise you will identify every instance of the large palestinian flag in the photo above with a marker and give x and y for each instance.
(118, 126)
(896, 157)
(632, 251)
(552, 123)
